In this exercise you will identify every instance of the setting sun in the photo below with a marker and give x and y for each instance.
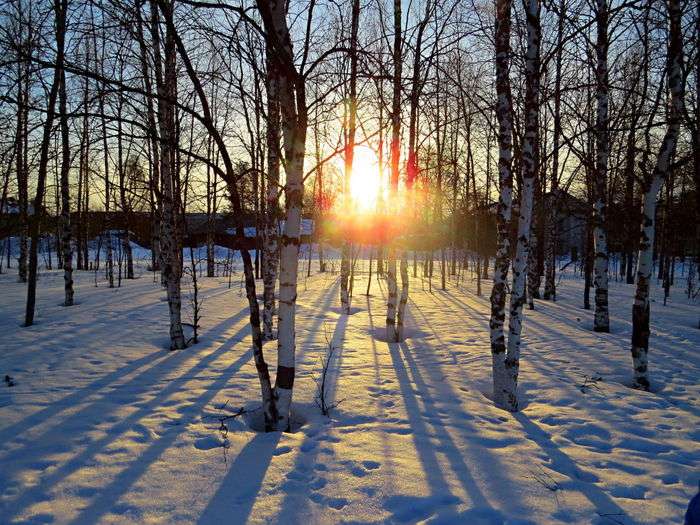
(365, 181)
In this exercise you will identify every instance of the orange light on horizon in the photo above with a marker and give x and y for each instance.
(365, 180)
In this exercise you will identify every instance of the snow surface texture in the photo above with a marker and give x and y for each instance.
(106, 426)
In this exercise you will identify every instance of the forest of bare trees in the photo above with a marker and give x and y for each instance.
(489, 122)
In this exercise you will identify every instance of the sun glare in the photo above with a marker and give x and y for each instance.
(365, 180)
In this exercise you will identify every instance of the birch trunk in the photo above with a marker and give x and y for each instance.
(66, 230)
(22, 166)
(601, 319)
(229, 175)
(171, 253)
(412, 161)
(551, 236)
(294, 140)
(504, 113)
(271, 227)
(532, 277)
(154, 143)
(529, 171)
(391, 329)
(349, 156)
(293, 108)
(391, 335)
(676, 87)
(60, 7)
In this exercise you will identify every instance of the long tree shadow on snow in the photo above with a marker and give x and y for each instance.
(41, 416)
(129, 476)
(295, 501)
(238, 490)
(561, 462)
(101, 411)
(441, 500)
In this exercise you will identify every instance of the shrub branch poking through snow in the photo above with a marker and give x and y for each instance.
(195, 301)
(322, 381)
(590, 382)
(223, 428)
(542, 477)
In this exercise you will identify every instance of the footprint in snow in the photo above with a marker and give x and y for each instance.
(334, 503)
(318, 483)
(362, 470)
(628, 491)
(358, 471)
(207, 443)
(416, 508)
(670, 479)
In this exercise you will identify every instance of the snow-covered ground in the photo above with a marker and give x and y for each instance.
(104, 425)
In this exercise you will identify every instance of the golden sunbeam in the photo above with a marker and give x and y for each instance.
(365, 181)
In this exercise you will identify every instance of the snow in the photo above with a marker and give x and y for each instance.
(106, 426)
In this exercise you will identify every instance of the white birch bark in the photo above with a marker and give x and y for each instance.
(391, 335)
(676, 87)
(293, 110)
(271, 226)
(505, 175)
(401, 311)
(529, 171)
(349, 156)
(391, 331)
(171, 267)
(601, 319)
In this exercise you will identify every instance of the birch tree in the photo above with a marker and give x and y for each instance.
(504, 114)
(601, 319)
(166, 83)
(391, 328)
(294, 123)
(349, 154)
(675, 80)
(66, 229)
(506, 384)
(272, 215)
(59, 7)
(228, 174)
(551, 214)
